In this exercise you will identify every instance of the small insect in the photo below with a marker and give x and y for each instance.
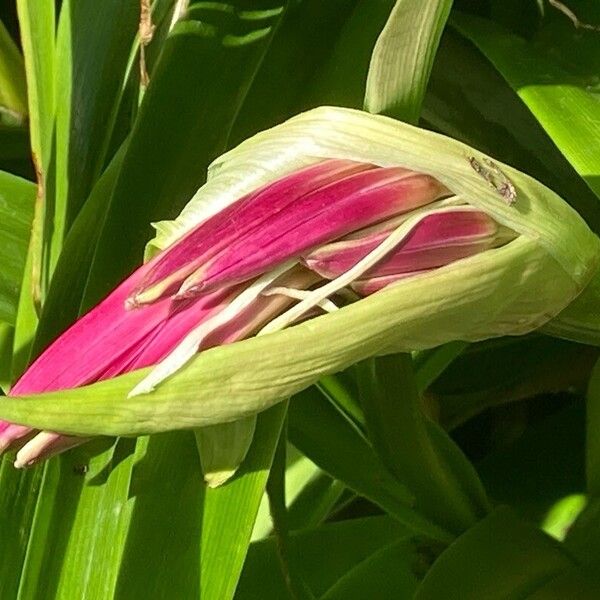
(492, 173)
(80, 469)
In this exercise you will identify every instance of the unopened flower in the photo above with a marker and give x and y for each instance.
(290, 225)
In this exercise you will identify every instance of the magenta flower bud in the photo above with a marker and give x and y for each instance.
(280, 221)
(437, 240)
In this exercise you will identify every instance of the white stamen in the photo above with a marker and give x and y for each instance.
(327, 305)
(190, 345)
(314, 297)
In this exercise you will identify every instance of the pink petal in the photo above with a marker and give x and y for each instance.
(437, 240)
(326, 214)
(249, 214)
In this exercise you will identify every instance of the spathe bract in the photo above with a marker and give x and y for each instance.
(509, 290)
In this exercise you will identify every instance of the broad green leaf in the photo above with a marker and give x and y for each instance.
(387, 574)
(430, 364)
(79, 522)
(301, 473)
(341, 450)
(415, 449)
(13, 89)
(17, 198)
(199, 536)
(323, 554)
(580, 581)
(403, 56)
(337, 389)
(92, 55)
(163, 533)
(500, 557)
(342, 79)
(559, 91)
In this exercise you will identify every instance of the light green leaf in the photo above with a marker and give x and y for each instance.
(403, 57)
(18, 502)
(300, 474)
(36, 22)
(230, 511)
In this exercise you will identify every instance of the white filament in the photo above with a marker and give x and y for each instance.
(313, 298)
(190, 345)
(327, 305)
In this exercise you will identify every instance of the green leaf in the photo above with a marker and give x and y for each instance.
(419, 453)
(333, 443)
(276, 485)
(230, 511)
(315, 502)
(342, 79)
(323, 554)
(559, 93)
(489, 374)
(403, 56)
(18, 502)
(541, 468)
(16, 213)
(13, 88)
(481, 109)
(37, 25)
(500, 557)
(36, 22)
(387, 574)
(301, 45)
(593, 434)
(92, 56)
(83, 493)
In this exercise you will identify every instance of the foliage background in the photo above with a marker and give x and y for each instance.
(462, 472)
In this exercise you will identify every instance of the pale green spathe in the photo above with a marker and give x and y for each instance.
(506, 291)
